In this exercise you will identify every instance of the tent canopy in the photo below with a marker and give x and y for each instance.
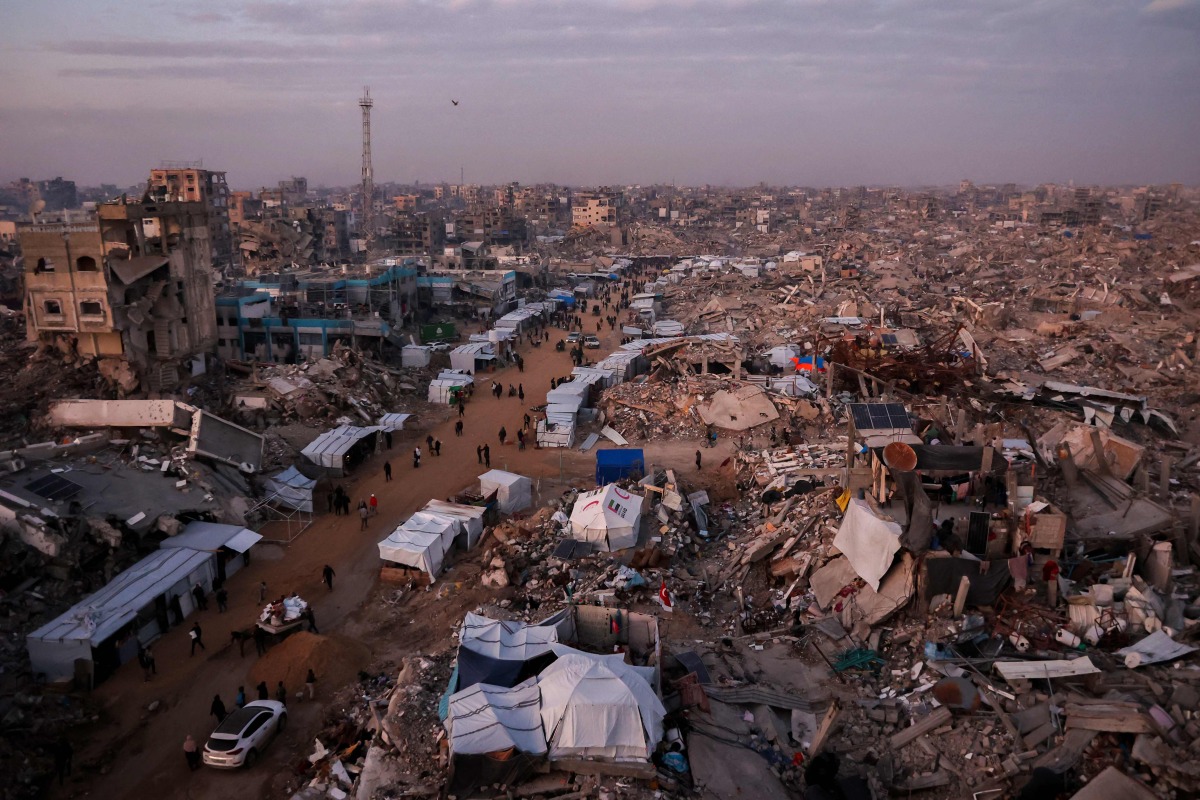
(515, 641)
(469, 517)
(393, 422)
(607, 517)
(513, 492)
(596, 707)
(328, 449)
(488, 719)
(293, 489)
(421, 542)
(209, 537)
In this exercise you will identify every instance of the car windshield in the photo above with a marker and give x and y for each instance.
(236, 722)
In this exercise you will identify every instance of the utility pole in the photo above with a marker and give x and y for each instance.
(368, 175)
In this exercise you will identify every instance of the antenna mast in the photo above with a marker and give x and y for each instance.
(368, 174)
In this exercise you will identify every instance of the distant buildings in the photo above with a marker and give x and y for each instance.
(133, 287)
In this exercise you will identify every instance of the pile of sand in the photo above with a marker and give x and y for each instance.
(336, 661)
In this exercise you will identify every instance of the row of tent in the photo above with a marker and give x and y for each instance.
(339, 449)
(424, 539)
(519, 695)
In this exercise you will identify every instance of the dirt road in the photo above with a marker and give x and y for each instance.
(141, 752)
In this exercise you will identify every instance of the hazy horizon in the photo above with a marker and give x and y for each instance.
(588, 92)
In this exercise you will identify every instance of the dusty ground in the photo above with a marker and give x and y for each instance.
(132, 752)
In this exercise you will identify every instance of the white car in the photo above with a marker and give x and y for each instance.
(240, 739)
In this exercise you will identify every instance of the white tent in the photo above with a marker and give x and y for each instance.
(291, 488)
(558, 428)
(330, 448)
(470, 517)
(510, 641)
(607, 517)
(599, 708)
(466, 357)
(513, 492)
(393, 422)
(421, 542)
(54, 647)
(415, 355)
(443, 387)
(488, 719)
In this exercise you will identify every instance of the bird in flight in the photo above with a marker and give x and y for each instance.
(455, 102)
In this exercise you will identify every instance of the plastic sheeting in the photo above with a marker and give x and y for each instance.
(607, 517)
(513, 492)
(599, 708)
(421, 542)
(328, 449)
(515, 641)
(868, 542)
(488, 719)
(292, 489)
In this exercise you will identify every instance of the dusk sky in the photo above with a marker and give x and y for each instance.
(811, 92)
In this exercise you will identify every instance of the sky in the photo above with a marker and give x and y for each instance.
(589, 92)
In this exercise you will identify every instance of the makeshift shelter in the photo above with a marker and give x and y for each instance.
(342, 448)
(502, 653)
(469, 517)
(104, 629)
(446, 387)
(868, 542)
(513, 492)
(473, 357)
(607, 517)
(594, 707)
(495, 735)
(739, 410)
(558, 428)
(292, 489)
(229, 543)
(421, 542)
(613, 464)
(393, 422)
(415, 356)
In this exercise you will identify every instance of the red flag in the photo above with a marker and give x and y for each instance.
(614, 626)
(664, 596)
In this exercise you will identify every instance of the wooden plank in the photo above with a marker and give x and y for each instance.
(936, 719)
(824, 729)
(624, 769)
(1039, 734)
(1115, 718)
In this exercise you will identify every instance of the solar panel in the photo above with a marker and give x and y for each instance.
(54, 487)
(889, 338)
(876, 416)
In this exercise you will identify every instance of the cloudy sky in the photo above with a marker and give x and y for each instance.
(814, 92)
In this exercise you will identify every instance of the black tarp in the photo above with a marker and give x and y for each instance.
(476, 668)
(945, 574)
(918, 530)
(951, 458)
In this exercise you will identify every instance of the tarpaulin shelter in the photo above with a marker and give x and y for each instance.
(469, 517)
(342, 448)
(868, 542)
(446, 387)
(421, 542)
(393, 422)
(513, 492)
(607, 517)
(223, 541)
(614, 465)
(292, 489)
(135, 601)
(502, 653)
(558, 428)
(495, 735)
(593, 707)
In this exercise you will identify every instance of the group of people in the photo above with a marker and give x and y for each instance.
(191, 749)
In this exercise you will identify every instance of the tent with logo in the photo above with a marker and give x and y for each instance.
(607, 517)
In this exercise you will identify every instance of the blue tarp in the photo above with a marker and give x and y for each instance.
(613, 465)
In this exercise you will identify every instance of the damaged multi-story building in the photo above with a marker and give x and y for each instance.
(188, 183)
(133, 288)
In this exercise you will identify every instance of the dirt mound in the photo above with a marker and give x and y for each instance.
(336, 661)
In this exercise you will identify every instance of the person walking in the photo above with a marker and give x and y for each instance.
(699, 461)
(240, 699)
(363, 516)
(310, 683)
(462, 409)
(487, 456)
(222, 600)
(263, 692)
(416, 457)
(503, 434)
(479, 452)
(262, 591)
(312, 620)
(387, 471)
(327, 575)
(201, 600)
(281, 693)
(63, 754)
(429, 441)
(521, 392)
(260, 640)
(217, 709)
(527, 421)
(146, 662)
(521, 439)
(197, 638)
(437, 447)
(192, 753)
(373, 503)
